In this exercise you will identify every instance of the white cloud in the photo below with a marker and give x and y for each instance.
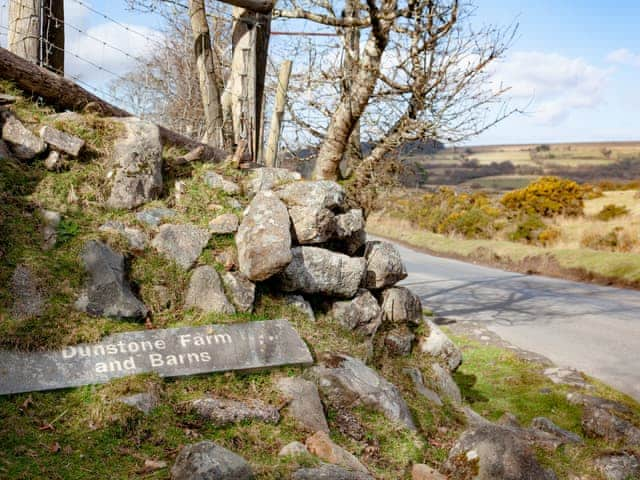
(624, 56)
(554, 85)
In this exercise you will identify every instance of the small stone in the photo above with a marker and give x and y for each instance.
(28, 298)
(324, 448)
(545, 425)
(420, 471)
(224, 224)
(293, 449)
(207, 461)
(267, 178)
(206, 293)
(50, 221)
(566, 376)
(242, 290)
(329, 472)
(181, 243)
(445, 383)
(153, 465)
(440, 347)
(137, 239)
(179, 190)
(299, 302)
(144, 402)
(401, 306)
(305, 405)
(399, 341)
(217, 181)
(234, 203)
(384, 265)
(348, 224)
(228, 258)
(53, 162)
(362, 313)
(619, 466)
(24, 144)
(154, 216)
(61, 141)
(222, 411)
(418, 383)
(264, 238)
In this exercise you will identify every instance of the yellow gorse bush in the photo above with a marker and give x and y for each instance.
(547, 197)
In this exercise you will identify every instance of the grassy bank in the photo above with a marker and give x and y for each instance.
(573, 263)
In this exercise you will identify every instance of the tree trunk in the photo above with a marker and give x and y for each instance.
(24, 29)
(271, 156)
(53, 36)
(353, 153)
(208, 76)
(351, 107)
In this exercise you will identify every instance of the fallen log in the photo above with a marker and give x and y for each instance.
(64, 94)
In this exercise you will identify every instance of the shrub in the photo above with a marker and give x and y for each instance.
(547, 197)
(611, 211)
(548, 236)
(528, 229)
(617, 240)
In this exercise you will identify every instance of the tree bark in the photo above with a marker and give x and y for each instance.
(24, 29)
(353, 153)
(278, 112)
(53, 36)
(208, 76)
(62, 93)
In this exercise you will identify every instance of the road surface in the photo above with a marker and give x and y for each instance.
(592, 328)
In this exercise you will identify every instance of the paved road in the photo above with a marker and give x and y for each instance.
(592, 328)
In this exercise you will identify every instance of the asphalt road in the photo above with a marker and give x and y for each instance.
(592, 328)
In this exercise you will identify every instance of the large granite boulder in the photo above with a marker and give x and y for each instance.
(495, 452)
(23, 144)
(206, 461)
(107, 291)
(264, 238)
(138, 165)
(312, 225)
(206, 292)
(181, 243)
(241, 289)
(304, 403)
(223, 411)
(61, 141)
(347, 381)
(439, 346)
(329, 472)
(401, 306)
(384, 265)
(268, 178)
(362, 313)
(318, 271)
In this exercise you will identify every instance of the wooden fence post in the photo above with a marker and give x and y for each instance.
(271, 154)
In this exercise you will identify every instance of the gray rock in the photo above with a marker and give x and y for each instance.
(222, 411)
(23, 144)
(418, 384)
(316, 194)
(137, 161)
(598, 402)
(399, 341)
(53, 162)
(354, 244)
(474, 419)
(604, 423)
(445, 384)
(208, 461)
(496, 453)
(6, 99)
(107, 292)
(439, 346)
(264, 238)
(320, 445)
(401, 306)
(329, 472)
(362, 313)
(28, 297)
(61, 141)
(347, 381)
(545, 425)
(144, 402)
(268, 178)
(181, 243)
(350, 223)
(566, 376)
(224, 224)
(293, 449)
(234, 203)
(137, 239)
(305, 405)
(301, 304)
(315, 270)
(384, 265)
(619, 466)
(206, 293)
(218, 182)
(50, 222)
(154, 216)
(5, 153)
(242, 290)
(311, 224)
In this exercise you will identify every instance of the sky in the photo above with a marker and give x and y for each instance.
(572, 67)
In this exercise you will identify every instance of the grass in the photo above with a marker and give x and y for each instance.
(495, 381)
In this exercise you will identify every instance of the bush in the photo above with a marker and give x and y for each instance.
(528, 230)
(611, 211)
(547, 197)
(617, 240)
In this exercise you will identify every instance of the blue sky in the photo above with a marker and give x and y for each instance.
(573, 65)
